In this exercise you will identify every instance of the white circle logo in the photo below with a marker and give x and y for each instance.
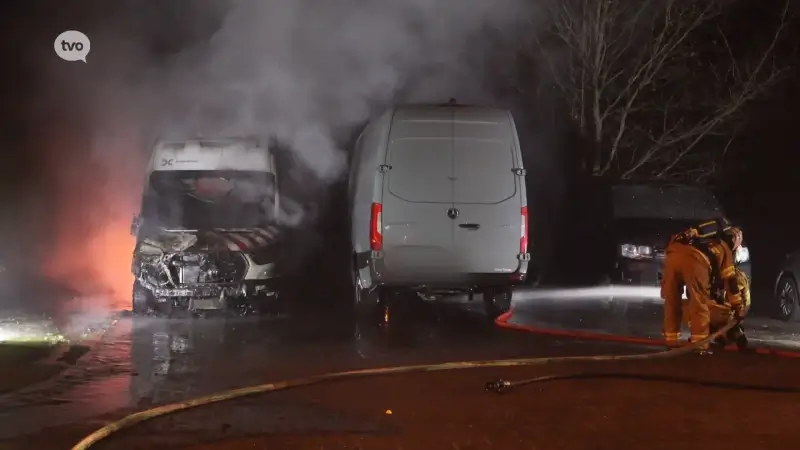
(72, 45)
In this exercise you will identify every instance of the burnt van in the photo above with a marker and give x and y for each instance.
(438, 206)
(207, 235)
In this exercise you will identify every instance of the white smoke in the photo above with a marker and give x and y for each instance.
(306, 71)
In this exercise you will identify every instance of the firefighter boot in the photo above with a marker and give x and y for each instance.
(720, 341)
(672, 345)
(704, 350)
(738, 336)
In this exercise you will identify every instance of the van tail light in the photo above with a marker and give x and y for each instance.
(375, 227)
(523, 240)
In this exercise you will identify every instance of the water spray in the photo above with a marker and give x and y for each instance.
(628, 293)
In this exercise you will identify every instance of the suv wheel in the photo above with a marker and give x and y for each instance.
(786, 298)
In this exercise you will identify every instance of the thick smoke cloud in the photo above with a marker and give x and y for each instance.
(305, 72)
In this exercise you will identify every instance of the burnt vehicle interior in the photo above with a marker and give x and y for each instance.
(200, 200)
(196, 267)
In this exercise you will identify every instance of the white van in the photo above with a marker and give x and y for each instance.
(207, 236)
(438, 205)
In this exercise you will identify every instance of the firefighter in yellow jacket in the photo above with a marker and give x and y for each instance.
(730, 310)
(700, 259)
(720, 313)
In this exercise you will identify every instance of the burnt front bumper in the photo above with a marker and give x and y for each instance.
(214, 296)
(196, 291)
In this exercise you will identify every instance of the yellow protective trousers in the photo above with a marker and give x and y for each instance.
(685, 266)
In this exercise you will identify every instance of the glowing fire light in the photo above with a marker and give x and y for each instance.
(97, 195)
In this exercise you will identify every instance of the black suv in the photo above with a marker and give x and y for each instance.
(621, 229)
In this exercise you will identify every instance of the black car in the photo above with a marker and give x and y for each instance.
(622, 228)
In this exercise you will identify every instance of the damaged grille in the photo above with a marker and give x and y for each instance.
(207, 268)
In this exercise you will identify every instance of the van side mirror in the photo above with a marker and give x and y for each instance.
(136, 224)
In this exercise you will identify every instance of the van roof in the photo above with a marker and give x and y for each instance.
(467, 113)
(211, 154)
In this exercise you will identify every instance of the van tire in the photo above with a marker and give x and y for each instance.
(143, 302)
(533, 278)
(497, 301)
(366, 306)
(364, 301)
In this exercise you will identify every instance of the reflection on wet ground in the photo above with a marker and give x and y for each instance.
(636, 317)
(141, 362)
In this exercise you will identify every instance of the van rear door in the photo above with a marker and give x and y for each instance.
(486, 192)
(418, 192)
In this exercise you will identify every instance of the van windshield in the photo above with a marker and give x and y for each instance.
(679, 203)
(209, 199)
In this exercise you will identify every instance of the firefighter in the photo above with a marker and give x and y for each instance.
(701, 260)
(722, 313)
(734, 307)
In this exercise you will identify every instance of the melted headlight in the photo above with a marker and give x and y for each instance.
(155, 273)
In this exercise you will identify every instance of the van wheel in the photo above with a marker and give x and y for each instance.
(143, 301)
(534, 278)
(364, 301)
(497, 301)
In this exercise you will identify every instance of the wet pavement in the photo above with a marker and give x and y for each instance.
(636, 317)
(141, 362)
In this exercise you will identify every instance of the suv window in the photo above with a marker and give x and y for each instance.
(670, 202)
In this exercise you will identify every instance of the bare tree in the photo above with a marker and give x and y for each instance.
(655, 83)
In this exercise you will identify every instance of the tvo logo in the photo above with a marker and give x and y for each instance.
(72, 45)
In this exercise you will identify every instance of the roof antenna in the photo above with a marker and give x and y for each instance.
(452, 101)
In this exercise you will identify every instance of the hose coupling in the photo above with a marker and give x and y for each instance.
(498, 386)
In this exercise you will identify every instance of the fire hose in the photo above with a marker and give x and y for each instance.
(497, 386)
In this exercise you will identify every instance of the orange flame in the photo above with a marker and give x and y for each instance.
(97, 195)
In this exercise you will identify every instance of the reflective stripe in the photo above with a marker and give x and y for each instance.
(259, 240)
(712, 228)
(698, 337)
(232, 246)
(705, 346)
(672, 336)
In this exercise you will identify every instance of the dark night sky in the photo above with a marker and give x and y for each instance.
(760, 190)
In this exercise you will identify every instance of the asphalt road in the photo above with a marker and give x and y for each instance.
(142, 362)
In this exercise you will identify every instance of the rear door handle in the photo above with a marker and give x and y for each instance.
(469, 226)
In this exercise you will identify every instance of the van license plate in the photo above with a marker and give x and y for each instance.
(205, 303)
